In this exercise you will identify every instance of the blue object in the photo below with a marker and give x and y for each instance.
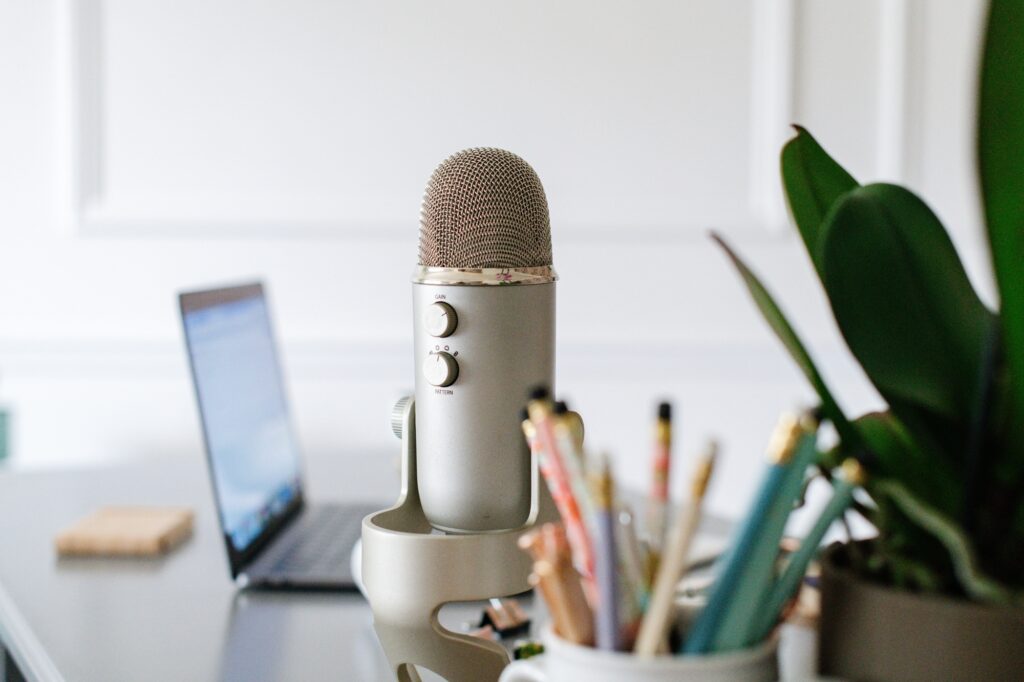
(748, 566)
(702, 635)
(795, 569)
(737, 629)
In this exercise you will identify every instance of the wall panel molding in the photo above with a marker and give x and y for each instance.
(92, 212)
(774, 82)
(896, 69)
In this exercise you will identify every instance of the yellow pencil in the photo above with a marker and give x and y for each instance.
(657, 511)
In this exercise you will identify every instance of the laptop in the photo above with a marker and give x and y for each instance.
(274, 538)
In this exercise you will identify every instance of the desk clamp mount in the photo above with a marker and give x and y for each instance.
(410, 570)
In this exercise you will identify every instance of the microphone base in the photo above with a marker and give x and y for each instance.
(410, 570)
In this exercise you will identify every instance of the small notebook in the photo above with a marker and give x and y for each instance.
(126, 531)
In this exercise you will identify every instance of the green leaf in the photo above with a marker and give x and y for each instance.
(780, 325)
(933, 433)
(1001, 171)
(903, 301)
(813, 182)
(898, 456)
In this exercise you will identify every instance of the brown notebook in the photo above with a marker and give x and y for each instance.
(126, 531)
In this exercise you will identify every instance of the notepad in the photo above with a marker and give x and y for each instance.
(126, 531)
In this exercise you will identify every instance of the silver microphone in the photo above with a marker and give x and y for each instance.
(484, 336)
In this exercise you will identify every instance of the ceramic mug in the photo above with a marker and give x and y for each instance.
(563, 661)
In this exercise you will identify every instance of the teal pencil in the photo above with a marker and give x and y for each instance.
(787, 584)
(736, 631)
(706, 631)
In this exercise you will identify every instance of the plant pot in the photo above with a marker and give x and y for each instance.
(873, 633)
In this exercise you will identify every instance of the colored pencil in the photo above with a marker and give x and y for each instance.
(559, 583)
(570, 447)
(707, 632)
(632, 558)
(607, 624)
(657, 511)
(737, 629)
(554, 473)
(786, 586)
(655, 624)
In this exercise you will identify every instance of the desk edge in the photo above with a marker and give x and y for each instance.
(22, 644)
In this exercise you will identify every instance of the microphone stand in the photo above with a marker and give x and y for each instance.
(410, 570)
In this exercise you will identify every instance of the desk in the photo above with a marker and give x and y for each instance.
(180, 617)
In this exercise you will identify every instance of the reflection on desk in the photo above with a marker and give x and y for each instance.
(267, 638)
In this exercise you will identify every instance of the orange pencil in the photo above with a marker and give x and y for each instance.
(554, 472)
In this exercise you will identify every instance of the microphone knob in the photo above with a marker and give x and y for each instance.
(440, 319)
(441, 369)
(398, 415)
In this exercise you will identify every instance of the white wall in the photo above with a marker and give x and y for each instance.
(149, 146)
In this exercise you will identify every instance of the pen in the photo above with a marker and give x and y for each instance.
(709, 632)
(656, 621)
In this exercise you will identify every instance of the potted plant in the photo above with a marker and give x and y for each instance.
(939, 593)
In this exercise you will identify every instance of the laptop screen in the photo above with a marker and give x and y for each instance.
(252, 452)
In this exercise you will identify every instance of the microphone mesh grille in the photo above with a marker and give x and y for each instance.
(484, 208)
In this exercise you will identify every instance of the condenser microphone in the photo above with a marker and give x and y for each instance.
(484, 336)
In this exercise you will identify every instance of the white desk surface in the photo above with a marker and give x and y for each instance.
(180, 617)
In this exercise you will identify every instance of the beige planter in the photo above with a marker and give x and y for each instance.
(873, 633)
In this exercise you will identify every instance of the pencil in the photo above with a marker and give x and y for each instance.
(737, 628)
(658, 505)
(575, 423)
(632, 559)
(581, 620)
(853, 476)
(709, 631)
(572, 456)
(607, 624)
(632, 592)
(559, 583)
(656, 621)
(532, 543)
(553, 470)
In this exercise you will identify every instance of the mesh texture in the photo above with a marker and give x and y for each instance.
(484, 208)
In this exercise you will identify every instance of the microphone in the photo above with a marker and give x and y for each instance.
(484, 336)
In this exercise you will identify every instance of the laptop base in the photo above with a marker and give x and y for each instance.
(312, 553)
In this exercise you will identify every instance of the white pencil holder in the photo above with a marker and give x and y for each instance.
(563, 661)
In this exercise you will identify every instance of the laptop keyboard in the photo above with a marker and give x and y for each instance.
(322, 543)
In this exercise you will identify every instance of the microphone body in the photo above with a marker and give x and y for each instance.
(473, 464)
(484, 336)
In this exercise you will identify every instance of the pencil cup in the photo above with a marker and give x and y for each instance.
(564, 661)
